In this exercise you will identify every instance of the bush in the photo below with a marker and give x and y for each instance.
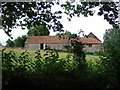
(111, 57)
(22, 71)
(51, 71)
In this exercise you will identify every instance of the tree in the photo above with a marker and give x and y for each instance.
(20, 41)
(108, 9)
(112, 42)
(9, 43)
(36, 13)
(65, 33)
(38, 31)
(78, 52)
(112, 53)
(32, 14)
(68, 34)
(73, 35)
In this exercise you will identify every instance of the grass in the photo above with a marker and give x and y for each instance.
(18, 51)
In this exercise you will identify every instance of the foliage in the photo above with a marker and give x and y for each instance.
(68, 33)
(18, 42)
(68, 48)
(111, 39)
(40, 13)
(65, 33)
(38, 31)
(78, 52)
(73, 35)
(9, 43)
(86, 9)
(51, 71)
(112, 45)
(32, 13)
(111, 56)
(23, 69)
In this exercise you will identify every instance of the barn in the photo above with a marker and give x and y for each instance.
(91, 42)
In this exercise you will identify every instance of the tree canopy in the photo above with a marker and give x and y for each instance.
(18, 42)
(9, 43)
(68, 34)
(112, 42)
(30, 14)
(38, 31)
(112, 52)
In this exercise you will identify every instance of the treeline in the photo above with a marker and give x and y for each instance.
(18, 42)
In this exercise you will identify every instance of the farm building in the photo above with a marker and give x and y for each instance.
(91, 42)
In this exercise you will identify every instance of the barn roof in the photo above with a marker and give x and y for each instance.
(89, 40)
(60, 39)
(47, 39)
(91, 35)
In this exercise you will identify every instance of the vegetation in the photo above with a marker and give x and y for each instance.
(40, 13)
(34, 31)
(46, 71)
(111, 56)
(49, 70)
(38, 31)
(9, 43)
(18, 42)
(68, 34)
(62, 54)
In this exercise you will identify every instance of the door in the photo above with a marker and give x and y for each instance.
(41, 46)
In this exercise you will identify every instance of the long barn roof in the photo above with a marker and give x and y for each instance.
(61, 39)
(47, 39)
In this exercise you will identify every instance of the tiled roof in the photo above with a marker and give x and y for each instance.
(91, 35)
(88, 40)
(47, 39)
(61, 39)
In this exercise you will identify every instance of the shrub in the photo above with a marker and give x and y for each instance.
(49, 70)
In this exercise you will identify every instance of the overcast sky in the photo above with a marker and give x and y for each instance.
(95, 24)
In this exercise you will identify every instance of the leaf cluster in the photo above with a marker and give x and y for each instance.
(30, 14)
(38, 31)
(51, 71)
